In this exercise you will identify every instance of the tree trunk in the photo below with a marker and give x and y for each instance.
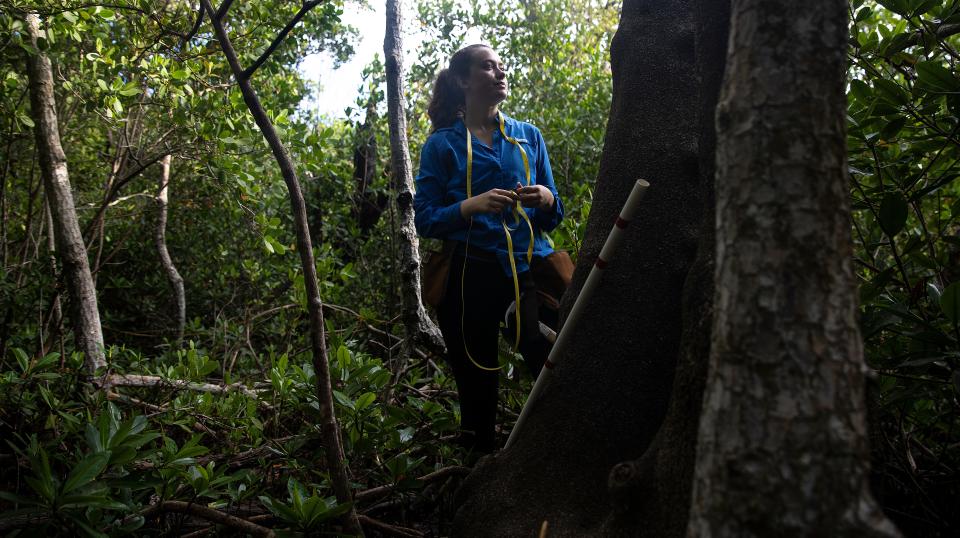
(418, 327)
(328, 422)
(160, 236)
(653, 492)
(609, 394)
(53, 165)
(783, 444)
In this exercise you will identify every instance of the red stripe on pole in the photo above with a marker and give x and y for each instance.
(600, 263)
(622, 223)
(548, 365)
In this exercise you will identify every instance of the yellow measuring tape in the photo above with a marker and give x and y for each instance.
(518, 213)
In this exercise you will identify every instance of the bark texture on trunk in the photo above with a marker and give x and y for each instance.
(783, 443)
(651, 495)
(418, 327)
(160, 238)
(82, 293)
(609, 394)
(330, 432)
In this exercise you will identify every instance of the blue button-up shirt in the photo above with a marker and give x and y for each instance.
(441, 188)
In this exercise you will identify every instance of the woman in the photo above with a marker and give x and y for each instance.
(484, 183)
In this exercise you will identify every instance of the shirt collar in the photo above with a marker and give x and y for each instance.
(460, 127)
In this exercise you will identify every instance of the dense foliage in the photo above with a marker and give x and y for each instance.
(234, 429)
(904, 121)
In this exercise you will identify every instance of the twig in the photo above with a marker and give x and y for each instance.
(436, 475)
(127, 399)
(389, 529)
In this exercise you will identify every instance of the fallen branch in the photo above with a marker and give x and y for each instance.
(135, 380)
(209, 514)
(440, 474)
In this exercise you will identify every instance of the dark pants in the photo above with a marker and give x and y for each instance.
(487, 293)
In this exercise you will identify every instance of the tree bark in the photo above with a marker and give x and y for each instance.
(782, 443)
(56, 180)
(328, 422)
(652, 493)
(609, 394)
(418, 327)
(160, 237)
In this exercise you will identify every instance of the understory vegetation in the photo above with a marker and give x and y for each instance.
(225, 430)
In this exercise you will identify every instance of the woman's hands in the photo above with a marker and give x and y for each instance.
(496, 200)
(536, 196)
(492, 201)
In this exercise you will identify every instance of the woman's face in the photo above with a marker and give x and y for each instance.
(487, 83)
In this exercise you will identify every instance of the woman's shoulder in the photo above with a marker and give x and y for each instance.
(521, 128)
(441, 137)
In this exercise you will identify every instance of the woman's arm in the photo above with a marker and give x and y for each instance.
(433, 218)
(543, 197)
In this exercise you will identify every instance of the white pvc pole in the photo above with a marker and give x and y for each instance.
(606, 255)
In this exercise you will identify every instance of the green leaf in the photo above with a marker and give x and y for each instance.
(861, 90)
(893, 213)
(892, 128)
(950, 302)
(86, 471)
(934, 77)
(365, 400)
(24, 119)
(890, 92)
(22, 359)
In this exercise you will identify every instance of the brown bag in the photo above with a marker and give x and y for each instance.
(553, 273)
(435, 273)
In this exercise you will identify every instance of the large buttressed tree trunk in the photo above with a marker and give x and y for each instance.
(608, 397)
(72, 252)
(783, 444)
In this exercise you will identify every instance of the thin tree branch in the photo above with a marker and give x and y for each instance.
(386, 528)
(208, 514)
(193, 31)
(307, 6)
(222, 10)
(446, 472)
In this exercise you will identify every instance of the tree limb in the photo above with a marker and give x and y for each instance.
(222, 10)
(307, 6)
